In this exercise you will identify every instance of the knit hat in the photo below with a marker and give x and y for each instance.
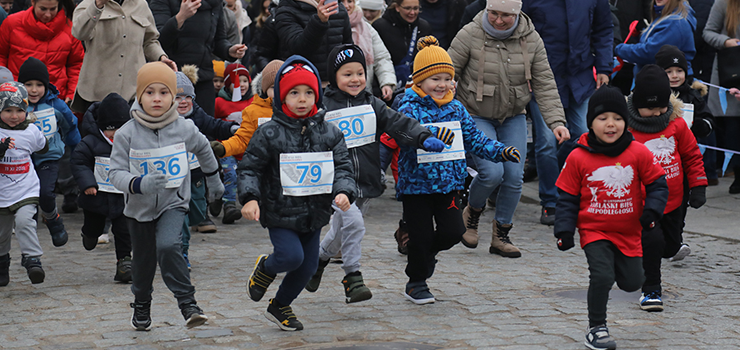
(5, 75)
(373, 5)
(13, 94)
(218, 68)
(606, 99)
(268, 74)
(431, 59)
(34, 69)
(185, 80)
(155, 72)
(652, 88)
(113, 112)
(231, 76)
(670, 56)
(341, 55)
(505, 6)
(298, 73)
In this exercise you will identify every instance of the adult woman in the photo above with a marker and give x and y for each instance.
(400, 28)
(377, 58)
(504, 44)
(372, 9)
(673, 23)
(44, 31)
(242, 19)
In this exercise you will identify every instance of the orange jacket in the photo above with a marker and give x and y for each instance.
(260, 108)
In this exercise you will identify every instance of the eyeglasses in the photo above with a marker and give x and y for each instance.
(410, 8)
(504, 16)
(180, 98)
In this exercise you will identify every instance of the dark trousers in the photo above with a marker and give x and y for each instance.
(606, 265)
(420, 212)
(47, 172)
(662, 241)
(205, 96)
(94, 225)
(296, 253)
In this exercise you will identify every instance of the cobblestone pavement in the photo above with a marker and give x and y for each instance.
(483, 300)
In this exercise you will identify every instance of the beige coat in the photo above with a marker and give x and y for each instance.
(502, 90)
(119, 40)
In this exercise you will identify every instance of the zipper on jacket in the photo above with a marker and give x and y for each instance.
(156, 196)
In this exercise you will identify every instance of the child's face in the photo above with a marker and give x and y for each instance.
(7, 5)
(271, 92)
(300, 100)
(351, 78)
(244, 84)
(652, 112)
(156, 99)
(218, 83)
(608, 127)
(437, 85)
(184, 104)
(371, 15)
(109, 133)
(13, 116)
(676, 75)
(36, 90)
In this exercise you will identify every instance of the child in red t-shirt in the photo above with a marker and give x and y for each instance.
(610, 189)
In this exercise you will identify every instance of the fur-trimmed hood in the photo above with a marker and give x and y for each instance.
(701, 87)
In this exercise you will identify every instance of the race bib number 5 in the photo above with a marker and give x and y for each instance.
(451, 152)
(171, 161)
(358, 124)
(46, 120)
(306, 174)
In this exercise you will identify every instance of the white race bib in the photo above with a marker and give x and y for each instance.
(358, 124)
(453, 152)
(46, 120)
(193, 162)
(306, 174)
(170, 160)
(102, 167)
(688, 114)
(261, 121)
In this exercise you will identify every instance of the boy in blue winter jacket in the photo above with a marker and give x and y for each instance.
(430, 183)
(59, 126)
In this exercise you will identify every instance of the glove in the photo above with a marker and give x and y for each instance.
(153, 183)
(233, 129)
(648, 219)
(4, 146)
(445, 135)
(218, 149)
(566, 242)
(511, 154)
(697, 196)
(215, 188)
(433, 144)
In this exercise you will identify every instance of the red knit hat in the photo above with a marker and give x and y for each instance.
(231, 78)
(298, 74)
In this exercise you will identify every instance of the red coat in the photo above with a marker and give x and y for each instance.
(22, 36)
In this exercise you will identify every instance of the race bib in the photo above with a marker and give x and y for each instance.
(261, 121)
(171, 161)
(102, 167)
(453, 152)
(46, 120)
(688, 114)
(306, 174)
(358, 124)
(15, 165)
(193, 161)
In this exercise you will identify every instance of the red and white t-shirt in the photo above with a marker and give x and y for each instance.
(612, 194)
(18, 178)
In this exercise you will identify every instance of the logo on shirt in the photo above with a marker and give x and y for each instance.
(616, 179)
(663, 149)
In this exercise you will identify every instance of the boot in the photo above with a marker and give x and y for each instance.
(56, 229)
(470, 219)
(4, 270)
(313, 283)
(206, 226)
(231, 213)
(123, 270)
(402, 238)
(215, 207)
(500, 242)
(33, 268)
(355, 289)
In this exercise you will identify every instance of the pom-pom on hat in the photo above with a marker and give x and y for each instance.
(268, 74)
(431, 59)
(34, 69)
(155, 72)
(13, 94)
(606, 99)
(113, 112)
(670, 56)
(185, 80)
(218, 68)
(652, 88)
(341, 55)
(506, 6)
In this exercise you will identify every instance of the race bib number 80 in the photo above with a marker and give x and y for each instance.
(171, 161)
(306, 174)
(358, 124)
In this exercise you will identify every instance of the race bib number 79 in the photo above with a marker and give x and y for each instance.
(306, 174)
(171, 161)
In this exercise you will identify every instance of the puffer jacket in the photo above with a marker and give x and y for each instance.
(396, 34)
(22, 36)
(213, 129)
(382, 69)
(301, 32)
(366, 159)
(67, 132)
(260, 108)
(259, 170)
(82, 163)
(510, 67)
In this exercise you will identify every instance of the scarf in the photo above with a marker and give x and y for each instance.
(21, 126)
(650, 124)
(441, 102)
(609, 149)
(498, 34)
(361, 35)
(289, 113)
(151, 122)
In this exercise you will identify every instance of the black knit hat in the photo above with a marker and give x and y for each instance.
(34, 69)
(652, 88)
(670, 56)
(113, 112)
(342, 55)
(606, 99)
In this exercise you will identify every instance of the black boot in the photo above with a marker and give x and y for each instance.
(735, 187)
(231, 213)
(4, 267)
(33, 268)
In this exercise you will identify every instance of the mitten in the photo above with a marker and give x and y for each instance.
(218, 149)
(433, 144)
(697, 196)
(511, 154)
(215, 188)
(701, 127)
(648, 219)
(445, 135)
(566, 241)
(233, 129)
(153, 183)
(4, 146)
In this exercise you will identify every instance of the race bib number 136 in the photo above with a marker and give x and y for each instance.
(171, 161)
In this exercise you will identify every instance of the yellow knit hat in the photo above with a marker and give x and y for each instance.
(219, 67)
(430, 60)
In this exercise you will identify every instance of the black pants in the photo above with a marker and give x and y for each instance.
(606, 265)
(420, 212)
(94, 225)
(662, 241)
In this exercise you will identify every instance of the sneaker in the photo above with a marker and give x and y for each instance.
(682, 253)
(231, 213)
(187, 261)
(598, 338)
(104, 239)
(548, 216)
(418, 293)
(142, 318)
(651, 301)
(89, 242)
(56, 229)
(470, 219)
(206, 226)
(355, 289)
(402, 238)
(283, 316)
(123, 270)
(215, 207)
(313, 283)
(193, 315)
(259, 280)
(33, 268)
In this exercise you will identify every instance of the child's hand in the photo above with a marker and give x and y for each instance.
(433, 144)
(511, 154)
(566, 242)
(7, 143)
(342, 201)
(251, 211)
(153, 183)
(648, 219)
(697, 196)
(91, 191)
(324, 10)
(218, 149)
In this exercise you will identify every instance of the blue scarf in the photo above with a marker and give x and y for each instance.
(495, 33)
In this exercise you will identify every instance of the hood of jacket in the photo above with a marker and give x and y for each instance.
(44, 31)
(89, 124)
(277, 104)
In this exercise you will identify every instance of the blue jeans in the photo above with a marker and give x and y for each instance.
(229, 166)
(512, 132)
(296, 253)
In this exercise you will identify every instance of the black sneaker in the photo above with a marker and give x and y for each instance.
(193, 315)
(283, 316)
(123, 270)
(89, 242)
(231, 213)
(259, 280)
(142, 319)
(418, 293)
(598, 338)
(313, 283)
(33, 268)
(548, 216)
(56, 229)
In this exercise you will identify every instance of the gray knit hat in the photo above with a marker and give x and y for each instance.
(5, 75)
(184, 86)
(13, 94)
(505, 6)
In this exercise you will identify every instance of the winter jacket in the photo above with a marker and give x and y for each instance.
(66, 133)
(301, 32)
(502, 90)
(366, 158)
(259, 170)
(119, 39)
(237, 144)
(201, 36)
(211, 128)
(471, 11)
(133, 135)
(715, 33)
(382, 68)
(704, 58)
(396, 34)
(265, 42)
(94, 144)
(703, 122)
(588, 43)
(22, 36)
(446, 15)
(447, 176)
(228, 110)
(630, 11)
(670, 29)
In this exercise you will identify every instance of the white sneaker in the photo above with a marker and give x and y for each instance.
(104, 239)
(682, 253)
